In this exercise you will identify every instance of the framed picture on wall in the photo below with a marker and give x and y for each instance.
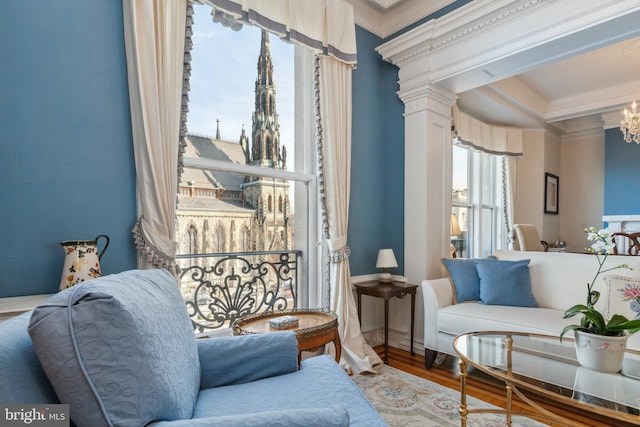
(551, 188)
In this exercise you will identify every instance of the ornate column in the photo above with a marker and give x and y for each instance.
(427, 202)
(427, 164)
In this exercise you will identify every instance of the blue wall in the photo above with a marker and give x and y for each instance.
(376, 211)
(621, 175)
(66, 163)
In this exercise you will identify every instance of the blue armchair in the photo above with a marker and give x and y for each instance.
(120, 351)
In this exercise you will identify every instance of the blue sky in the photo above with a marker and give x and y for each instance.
(223, 75)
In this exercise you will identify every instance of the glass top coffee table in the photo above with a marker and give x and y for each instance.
(541, 364)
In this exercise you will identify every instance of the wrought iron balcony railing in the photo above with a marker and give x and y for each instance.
(218, 288)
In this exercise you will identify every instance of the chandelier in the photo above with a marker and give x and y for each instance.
(630, 125)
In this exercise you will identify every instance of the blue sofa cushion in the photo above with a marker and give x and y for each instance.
(505, 282)
(120, 349)
(22, 379)
(334, 416)
(320, 383)
(246, 358)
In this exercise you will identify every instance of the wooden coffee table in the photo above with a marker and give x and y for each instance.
(316, 327)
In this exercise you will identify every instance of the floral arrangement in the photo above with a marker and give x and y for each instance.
(592, 320)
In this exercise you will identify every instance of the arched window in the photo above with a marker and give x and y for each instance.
(280, 203)
(270, 204)
(218, 238)
(192, 239)
(269, 153)
(245, 242)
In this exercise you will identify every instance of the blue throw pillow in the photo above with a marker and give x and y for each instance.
(463, 275)
(505, 282)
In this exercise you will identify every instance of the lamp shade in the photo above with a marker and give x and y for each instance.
(386, 259)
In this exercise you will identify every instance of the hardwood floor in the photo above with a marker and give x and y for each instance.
(484, 387)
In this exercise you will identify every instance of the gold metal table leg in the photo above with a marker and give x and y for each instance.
(509, 342)
(463, 393)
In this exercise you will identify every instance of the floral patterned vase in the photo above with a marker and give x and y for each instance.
(82, 261)
(600, 353)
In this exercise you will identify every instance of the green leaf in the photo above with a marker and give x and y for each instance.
(576, 309)
(620, 323)
(570, 328)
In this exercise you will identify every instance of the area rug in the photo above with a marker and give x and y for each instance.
(409, 401)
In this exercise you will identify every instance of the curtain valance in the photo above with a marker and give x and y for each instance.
(326, 26)
(498, 140)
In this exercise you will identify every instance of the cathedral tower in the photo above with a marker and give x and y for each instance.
(266, 129)
(269, 197)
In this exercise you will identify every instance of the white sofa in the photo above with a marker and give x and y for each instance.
(558, 281)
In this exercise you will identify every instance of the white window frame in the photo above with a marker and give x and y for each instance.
(308, 227)
(476, 161)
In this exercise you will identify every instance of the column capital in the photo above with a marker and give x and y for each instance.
(427, 97)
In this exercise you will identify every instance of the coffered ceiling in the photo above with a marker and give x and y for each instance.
(593, 85)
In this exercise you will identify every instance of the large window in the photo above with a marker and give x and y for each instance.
(248, 187)
(476, 214)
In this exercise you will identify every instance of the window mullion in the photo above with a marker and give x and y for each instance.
(212, 164)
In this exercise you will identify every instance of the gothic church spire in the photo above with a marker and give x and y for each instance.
(266, 129)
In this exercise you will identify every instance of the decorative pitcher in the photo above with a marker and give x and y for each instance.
(82, 261)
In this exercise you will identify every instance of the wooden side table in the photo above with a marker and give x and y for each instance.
(387, 291)
(316, 327)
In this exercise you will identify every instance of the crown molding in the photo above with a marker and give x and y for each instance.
(611, 119)
(594, 102)
(583, 127)
(483, 42)
(385, 21)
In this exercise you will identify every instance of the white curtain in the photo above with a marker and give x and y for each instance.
(326, 26)
(334, 85)
(154, 40)
(510, 193)
(498, 140)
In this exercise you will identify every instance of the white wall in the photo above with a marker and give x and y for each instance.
(577, 158)
(550, 222)
(582, 182)
(528, 205)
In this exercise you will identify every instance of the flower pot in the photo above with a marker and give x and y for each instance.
(600, 353)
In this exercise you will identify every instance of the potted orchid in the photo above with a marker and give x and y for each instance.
(593, 323)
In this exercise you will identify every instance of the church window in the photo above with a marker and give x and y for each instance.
(192, 239)
(270, 204)
(218, 239)
(245, 243)
(280, 204)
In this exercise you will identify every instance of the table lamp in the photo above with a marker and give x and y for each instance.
(386, 259)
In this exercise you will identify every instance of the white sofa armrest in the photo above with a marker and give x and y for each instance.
(436, 294)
